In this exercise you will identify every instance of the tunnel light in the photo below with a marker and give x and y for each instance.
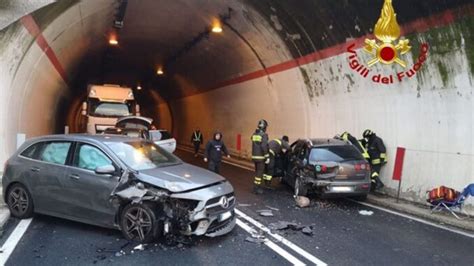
(160, 71)
(216, 26)
(139, 87)
(113, 41)
(216, 29)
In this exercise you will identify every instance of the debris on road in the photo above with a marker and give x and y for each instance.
(307, 231)
(366, 213)
(265, 213)
(139, 247)
(244, 205)
(272, 208)
(255, 240)
(302, 202)
(119, 253)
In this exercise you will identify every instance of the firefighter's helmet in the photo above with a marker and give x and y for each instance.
(262, 124)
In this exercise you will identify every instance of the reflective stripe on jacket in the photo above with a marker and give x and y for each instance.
(259, 145)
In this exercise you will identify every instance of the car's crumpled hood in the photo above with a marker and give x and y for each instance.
(179, 178)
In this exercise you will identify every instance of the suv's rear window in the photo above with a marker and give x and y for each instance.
(334, 154)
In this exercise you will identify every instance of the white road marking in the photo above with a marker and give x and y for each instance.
(272, 245)
(282, 240)
(13, 240)
(415, 219)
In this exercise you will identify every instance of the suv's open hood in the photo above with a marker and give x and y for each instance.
(134, 122)
(179, 178)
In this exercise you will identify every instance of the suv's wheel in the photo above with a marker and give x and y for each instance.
(300, 188)
(19, 201)
(139, 222)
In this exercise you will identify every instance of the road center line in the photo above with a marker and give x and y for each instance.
(282, 240)
(271, 245)
(13, 240)
(415, 219)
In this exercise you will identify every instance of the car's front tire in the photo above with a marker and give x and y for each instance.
(139, 222)
(19, 201)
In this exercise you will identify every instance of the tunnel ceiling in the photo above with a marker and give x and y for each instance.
(258, 34)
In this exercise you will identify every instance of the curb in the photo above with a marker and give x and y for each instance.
(421, 211)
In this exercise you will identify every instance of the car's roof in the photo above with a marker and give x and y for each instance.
(85, 137)
(315, 142)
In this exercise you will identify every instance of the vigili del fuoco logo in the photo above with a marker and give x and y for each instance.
(385, 50)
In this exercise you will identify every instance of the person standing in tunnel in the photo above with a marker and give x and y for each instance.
(378, 157)
(276, 147)
(260, 154)
(196, 140)
(213, 152)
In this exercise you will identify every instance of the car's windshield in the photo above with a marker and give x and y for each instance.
(109, 109)
(142, 155)
(334, 154)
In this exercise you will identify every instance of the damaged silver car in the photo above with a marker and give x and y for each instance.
(117, 182)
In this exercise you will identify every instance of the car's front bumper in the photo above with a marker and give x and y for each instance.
(212, 216)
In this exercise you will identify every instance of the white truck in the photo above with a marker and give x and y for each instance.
(105, 104)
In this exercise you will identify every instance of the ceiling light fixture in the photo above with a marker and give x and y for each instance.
(139, 87)
(216, 26)
(160, 71)
(113, 41)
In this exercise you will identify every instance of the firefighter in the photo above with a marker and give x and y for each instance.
(259, 153)
(276, 147)
(213, 152)
(378, 157)
(346, 136)
(196, 140)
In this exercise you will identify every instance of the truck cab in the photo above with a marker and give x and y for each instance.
(105, 104)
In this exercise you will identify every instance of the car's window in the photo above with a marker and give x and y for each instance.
(142, 155)
(55, 152)
(89, 157)
(133, 134)
(165, 135)
(155, 135)
(32, 151)
(334, 153)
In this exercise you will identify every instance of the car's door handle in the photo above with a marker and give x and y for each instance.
(76, 177)
(34, 169)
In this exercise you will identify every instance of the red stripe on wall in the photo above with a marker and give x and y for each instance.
(417, 26)
(30, 24)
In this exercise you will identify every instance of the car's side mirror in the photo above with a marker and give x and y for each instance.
(105, 170)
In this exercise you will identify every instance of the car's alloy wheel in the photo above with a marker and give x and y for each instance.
(19, 202)
(138, 222)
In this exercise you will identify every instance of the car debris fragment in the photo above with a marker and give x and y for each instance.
(273, 208)
(255, 240)
(307, 231)
(265, 213)
(366, 213)
(139, 247)
(244, 205)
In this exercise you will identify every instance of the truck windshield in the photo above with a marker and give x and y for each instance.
(109, 109)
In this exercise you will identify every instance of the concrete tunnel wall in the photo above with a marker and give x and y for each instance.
(315, 95)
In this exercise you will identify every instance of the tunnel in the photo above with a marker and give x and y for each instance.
(288, 62)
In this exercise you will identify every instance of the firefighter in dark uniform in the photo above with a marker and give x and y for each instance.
(259, 153)
(346, 136)
(276, 147)
(378, 156)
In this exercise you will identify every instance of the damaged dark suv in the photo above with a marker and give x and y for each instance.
(117, 182)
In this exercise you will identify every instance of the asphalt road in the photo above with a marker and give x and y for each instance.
(341, 236)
